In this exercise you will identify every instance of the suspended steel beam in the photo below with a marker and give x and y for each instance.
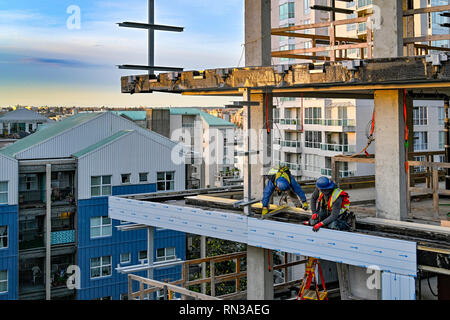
(332, 9)
(149, 68)
(138, 25)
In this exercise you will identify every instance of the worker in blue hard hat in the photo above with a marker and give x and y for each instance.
(330, 207)
(281, 182)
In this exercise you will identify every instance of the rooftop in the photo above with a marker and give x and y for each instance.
(210, 119)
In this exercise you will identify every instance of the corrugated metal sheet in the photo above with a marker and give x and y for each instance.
(9, 256)
(9, 171)
(24, 115)
(74, 136)
(133, 153)
(350, 248)
(397, 287)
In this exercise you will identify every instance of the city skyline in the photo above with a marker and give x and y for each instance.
(44, 60)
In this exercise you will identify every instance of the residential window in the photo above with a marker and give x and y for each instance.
(313, 139)
(420, 116)
(143, 177)
(165, 254)
(101, 186)
(125, 257)
(441, 118)
(418, 169)
(420, 141)
(3, 281)
(142, 256)
(101, 267)
(441, 140)
(166, 181)
(3, 192)
(126, 178)
(287, 11)
(3, 237)
(101, 227)
(306, 6)
(313, 115)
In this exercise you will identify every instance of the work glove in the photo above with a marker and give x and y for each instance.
(305, 206)
(265, 211)
(306, 223)
(315, 216)
(317, 226)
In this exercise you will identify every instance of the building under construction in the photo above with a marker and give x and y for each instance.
(395, 239)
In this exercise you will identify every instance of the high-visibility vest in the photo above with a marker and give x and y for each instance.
(282, 173)
(336, 194)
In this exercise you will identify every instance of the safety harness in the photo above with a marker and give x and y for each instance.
(334, 196)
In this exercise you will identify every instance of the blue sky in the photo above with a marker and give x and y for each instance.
(42, 62)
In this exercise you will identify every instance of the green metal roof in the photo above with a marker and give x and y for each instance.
(133, 115)
(210, 119)
(47, 133)
(101, 143)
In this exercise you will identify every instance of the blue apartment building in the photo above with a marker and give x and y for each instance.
(90, 156)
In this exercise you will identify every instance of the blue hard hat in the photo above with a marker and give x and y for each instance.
(324, 183)
(283, 184)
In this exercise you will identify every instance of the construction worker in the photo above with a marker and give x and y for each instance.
(330, 207)
(283, 181)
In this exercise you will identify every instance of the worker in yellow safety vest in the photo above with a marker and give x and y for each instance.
(330, 207)
(283, 181)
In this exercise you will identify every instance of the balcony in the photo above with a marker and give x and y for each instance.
(343, 124)
(290, 124)
(342, 173)
(343, 148)
(60, 196)
(63, 237)
(293, 167)
(292, 146)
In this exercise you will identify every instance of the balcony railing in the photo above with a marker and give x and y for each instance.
(332, 122)
(291, 166)
(342, 173)
(63, 237)
(338, 147)
(59, 195)
(291, 143)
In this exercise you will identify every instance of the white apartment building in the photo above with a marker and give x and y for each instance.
(309, 132)
(212, 146)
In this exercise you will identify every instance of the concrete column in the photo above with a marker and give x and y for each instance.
(259, 278)
(388, 28)
(390, 182)
(257, 33)
(48, 230)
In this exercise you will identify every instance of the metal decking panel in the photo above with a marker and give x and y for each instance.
(220, 225)
(397, 287)
(391, 255)
(357, 249)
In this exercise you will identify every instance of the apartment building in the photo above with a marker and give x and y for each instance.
(21, 121)
(309, 132)
(62, 176)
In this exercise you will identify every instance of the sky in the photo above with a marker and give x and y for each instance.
(46, 60)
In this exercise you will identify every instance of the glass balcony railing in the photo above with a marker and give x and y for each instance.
(291, 166)
(337, 147)
(342, 173)
(59, 196)
(290, 121)
(332, 122)
(290, 143)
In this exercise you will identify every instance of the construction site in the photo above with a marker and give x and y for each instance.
(401, 236)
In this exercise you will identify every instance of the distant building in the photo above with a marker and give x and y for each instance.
(91, 156)
(20, 121)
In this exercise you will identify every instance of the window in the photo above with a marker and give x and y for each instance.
(166, 181)
(3, 237)
(287, 11)
(420, 116)
(165, 254)
(418, 169)
(3, 192)
(101, 186)
(313, 139)
(101, 267)
(306, 6)
(3, 281)
(142, 256)
(125, 257)
(441, 119)
(126, 178)
(101, 227)
(313, 115)
(124, 296)
(441, 142)
(143, 177)
(420, 141)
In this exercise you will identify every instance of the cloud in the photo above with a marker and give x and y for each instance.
(70, 63)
